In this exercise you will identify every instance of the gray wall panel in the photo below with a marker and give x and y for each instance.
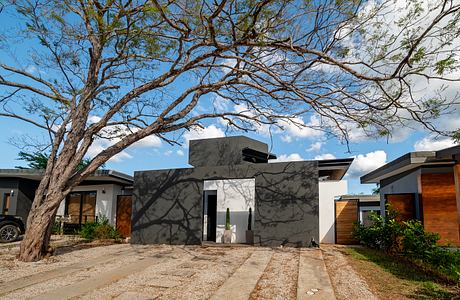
(167, 205)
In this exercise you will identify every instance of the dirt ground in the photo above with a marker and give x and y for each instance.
(346, 282)
(124, 271)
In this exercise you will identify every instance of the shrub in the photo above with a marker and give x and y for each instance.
(101, 229)
(410, 240)
(383, 234)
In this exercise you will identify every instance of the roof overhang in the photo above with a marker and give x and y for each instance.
(405, 163)
(334, 169)
(102, 176)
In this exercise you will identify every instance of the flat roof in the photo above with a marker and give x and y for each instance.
(99, 175)
(412, 161)
(334, 169)
(361, 198)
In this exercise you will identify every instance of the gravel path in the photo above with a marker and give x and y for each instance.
(170, 272)
(279, 280)
(346, 282)
(12, 269)
(185, 273)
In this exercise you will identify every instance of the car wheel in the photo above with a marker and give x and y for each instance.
(8, 233)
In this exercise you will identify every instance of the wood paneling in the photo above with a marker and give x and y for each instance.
(73, 207)
(440, 206)
(124, 211)
(404, 204)
(346, 214)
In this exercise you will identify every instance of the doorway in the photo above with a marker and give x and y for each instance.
(124, 212)
(210, 216)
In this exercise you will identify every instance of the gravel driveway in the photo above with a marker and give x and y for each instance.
(126, 271)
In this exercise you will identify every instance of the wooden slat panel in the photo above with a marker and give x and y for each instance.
(73, 207)
(404, 204)
(88, 209)
(124, 211)
(440, 206)
(346, 213)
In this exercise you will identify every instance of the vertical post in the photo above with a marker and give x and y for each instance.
(457, 192)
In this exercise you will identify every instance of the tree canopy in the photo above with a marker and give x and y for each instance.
(129, 70)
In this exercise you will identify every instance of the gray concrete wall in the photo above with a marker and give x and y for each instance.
(6, 186)
(167, 204)
(222, 151)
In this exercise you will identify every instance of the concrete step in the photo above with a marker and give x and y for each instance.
(245, 278)
(314, 281)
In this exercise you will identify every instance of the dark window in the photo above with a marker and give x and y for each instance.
(6, 203)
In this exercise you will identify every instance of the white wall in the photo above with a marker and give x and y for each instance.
(328, 190)
(237, 195)
(106, 203)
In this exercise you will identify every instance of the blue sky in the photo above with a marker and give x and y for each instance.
(162, 155)
(292, 144)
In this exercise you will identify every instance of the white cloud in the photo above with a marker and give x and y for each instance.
(123, 155)
(208, 132)
(100, 145)
(113, 134)
(297, 128)
(432, 144)
(149, 141)
(324, 156)
(31, 69)
(315, 147)
(365, 163)
(168, 153)
(286, 158)
(180, 152)
(220, 103)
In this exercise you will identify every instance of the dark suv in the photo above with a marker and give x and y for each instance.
(11, 228)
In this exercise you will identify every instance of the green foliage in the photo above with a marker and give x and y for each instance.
(443, 65)
(227, 220)
(99, 230)
(409, 239)
(56, 229)
(383, 234)
(376, 190)
(38, 161)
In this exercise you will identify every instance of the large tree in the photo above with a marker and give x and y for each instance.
(128, 70)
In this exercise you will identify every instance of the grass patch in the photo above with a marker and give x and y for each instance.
(391, 277)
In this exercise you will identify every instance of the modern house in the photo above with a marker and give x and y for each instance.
(425, 186)
(102, 194)
(292, 203)
(350, 209)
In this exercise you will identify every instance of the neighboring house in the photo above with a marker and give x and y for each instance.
(97, 196)
(424, 186)
(350, 209)
(292, 202)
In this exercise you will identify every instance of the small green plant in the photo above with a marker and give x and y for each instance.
(250, 219)
(56, 229)
(408, 239)
(227, 220)
(99, 230)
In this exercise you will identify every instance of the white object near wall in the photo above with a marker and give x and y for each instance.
(238, 195)
(328, 191)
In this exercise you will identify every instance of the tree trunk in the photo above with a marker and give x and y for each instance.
(40, 222)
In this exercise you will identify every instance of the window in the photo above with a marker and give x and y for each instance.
(81, 207)
(364, 213)
(6, 203)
